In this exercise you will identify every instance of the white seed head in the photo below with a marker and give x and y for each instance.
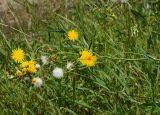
(44, 59)
(58, 72)
(37, 82)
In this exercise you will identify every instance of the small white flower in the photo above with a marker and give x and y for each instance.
(38, 66)
(69, 65)
(37, 82)
(58, 72)
(44, 59)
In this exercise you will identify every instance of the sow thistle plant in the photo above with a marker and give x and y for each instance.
(26, 68)
(18, 56)
(86, 57)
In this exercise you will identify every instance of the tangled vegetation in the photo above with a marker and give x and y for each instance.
(84, 57)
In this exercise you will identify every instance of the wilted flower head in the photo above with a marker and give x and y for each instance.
(58, 72)
(18, 55)
(69, 65)
(11, 77)
(44, 59)
(37, 82)
(19, 73)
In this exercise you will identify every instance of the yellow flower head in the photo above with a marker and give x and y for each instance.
(72, 35)
(18, 55)
(24, 64)
(31, 67)
(19, 73)
(28, 66)
(87, 58)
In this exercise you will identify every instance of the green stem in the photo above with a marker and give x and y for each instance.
(132, 59)
(74, 85)
(60, 90)
(136, 59)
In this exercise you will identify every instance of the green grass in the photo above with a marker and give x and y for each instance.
(125, 79)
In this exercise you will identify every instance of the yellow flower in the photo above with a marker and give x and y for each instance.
(87, 58)
(19, 73)
(31, 67)
(24, 69)
(24, 64)
(28, 66)
(18, 55)
(72, 35)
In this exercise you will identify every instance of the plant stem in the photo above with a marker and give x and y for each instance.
(74, 85)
